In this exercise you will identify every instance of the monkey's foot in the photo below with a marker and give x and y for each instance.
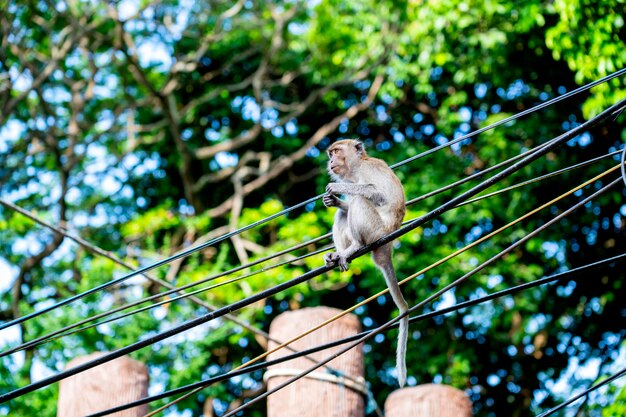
(330, 259)
(333, 258)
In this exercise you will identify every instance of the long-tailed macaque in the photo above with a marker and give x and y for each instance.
(374, 208)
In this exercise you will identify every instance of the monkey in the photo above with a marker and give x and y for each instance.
(375, 206)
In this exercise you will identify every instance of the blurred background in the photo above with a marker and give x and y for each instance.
(147, 127)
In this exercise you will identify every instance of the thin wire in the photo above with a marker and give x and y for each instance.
(211, 242)
(165, 284)
(200, 302)
(71, 329)
(64, 331)
(56, 336)
(483, 172)
(154, 265)
(419, 305)
(623, 164)
(489, 182)
(540, 178)
(571, 274)
(612, 378)
(435, 264)
(424, 270)
(318, 271)
(68, 330)
(511, 118)
(475, 175)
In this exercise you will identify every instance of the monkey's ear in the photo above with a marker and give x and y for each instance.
(360, 149)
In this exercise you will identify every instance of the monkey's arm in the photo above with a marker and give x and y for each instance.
(368, 191)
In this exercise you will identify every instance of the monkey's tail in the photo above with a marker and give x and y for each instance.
(403, 336)
(382, 258)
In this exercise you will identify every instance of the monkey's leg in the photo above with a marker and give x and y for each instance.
(364, 225)
(341, 236)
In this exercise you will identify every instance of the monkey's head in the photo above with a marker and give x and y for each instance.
(344, 155)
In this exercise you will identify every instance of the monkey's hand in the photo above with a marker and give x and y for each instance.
(331, 200)
(333, 188)
(333, 258)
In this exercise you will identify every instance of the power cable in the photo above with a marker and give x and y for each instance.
(166, 284)
(571, 274)
(552, 143)
(498, 177)
(94, 249)
(610, 379)
(419, 305)
(540, 178)
(71, 329)
(68, 330)
(477, 174)
(211, 242)
(537, 179)
(310, 274)
(442, 260)
(510, 118)
(143, 270)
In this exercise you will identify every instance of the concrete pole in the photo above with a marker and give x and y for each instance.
(322, 393)
(428, 400)
(108, 385)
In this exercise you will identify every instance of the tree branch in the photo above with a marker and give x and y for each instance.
(285, 162)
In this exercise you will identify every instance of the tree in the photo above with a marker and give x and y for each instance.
(149, 127)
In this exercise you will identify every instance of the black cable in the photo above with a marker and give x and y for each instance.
(67, 330)
(430, 298)
(154, 265)
(610, 379)
(108, 255)
(166, 334)
(489, 182)
(511, 118)
(287, 210)
(171, 290)
(541, 178)
(475, 175)
(71, 329)
(571, 274)
(318, 271)
(458, 281)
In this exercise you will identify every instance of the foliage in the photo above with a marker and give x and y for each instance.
(151, 127)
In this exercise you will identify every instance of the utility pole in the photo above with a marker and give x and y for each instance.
(336, 392)
(113, 383)
(428, 400)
